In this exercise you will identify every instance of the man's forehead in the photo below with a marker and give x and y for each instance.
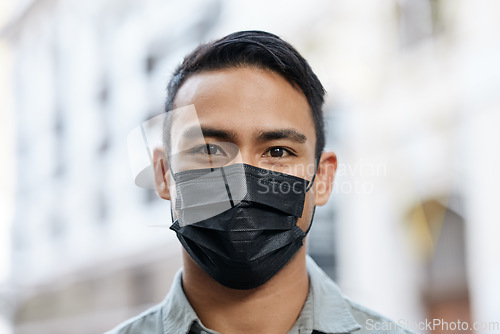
(239, 82)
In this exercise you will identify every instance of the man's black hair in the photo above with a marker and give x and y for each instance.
(260, 49)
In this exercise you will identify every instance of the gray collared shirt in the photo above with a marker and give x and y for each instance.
(325, 311)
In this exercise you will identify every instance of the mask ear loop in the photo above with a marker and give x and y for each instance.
(172, 214)
(314, 176)
(307, 189)
(312, 181)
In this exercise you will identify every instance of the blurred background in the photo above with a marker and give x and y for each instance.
(413, 110)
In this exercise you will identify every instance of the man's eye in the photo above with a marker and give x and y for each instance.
(278, 152)
(209, 149)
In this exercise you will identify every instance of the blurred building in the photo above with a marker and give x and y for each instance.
(6, 172)
(411, 227)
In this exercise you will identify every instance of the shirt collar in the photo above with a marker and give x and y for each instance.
(325, 305)
(330, 311)
(177, 313)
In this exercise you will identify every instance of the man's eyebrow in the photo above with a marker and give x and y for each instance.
(194, 133)
(289, 134)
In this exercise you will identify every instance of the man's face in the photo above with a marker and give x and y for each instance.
(247, 115)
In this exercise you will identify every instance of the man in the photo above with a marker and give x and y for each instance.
(244, 168)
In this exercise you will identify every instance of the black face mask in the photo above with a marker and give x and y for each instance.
(239, 222)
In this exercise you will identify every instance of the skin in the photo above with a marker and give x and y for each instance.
(243, 104)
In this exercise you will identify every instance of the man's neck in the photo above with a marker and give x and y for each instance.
(271, 308)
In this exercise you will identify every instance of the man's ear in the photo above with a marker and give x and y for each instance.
(323, 184)
(162, 173)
